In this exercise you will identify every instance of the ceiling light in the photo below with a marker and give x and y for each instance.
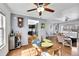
(40, 9)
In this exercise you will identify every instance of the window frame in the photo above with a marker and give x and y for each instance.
(3, 30)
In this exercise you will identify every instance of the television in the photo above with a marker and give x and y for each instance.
(31, 26)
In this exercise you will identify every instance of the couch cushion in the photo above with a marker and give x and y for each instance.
(36, 42)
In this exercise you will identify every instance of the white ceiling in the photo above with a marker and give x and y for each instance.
(21, 8)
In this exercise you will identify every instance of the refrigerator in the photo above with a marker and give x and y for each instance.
(12, 43)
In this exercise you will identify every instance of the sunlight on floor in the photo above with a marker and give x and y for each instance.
(74, 51)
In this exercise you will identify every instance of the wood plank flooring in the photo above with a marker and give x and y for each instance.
(66, 51)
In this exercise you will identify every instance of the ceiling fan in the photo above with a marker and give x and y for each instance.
(67, 18)
(40, 7)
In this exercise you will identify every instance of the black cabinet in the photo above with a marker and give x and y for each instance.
(17, 42)
(74, 42)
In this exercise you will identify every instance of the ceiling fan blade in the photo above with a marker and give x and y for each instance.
(36, 4)
(46, 4)
(50, 10)
(40, 3)
(40, 13)
(31, 9)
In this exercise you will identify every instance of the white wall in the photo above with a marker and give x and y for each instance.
(47, 31)
(72, 13)
(50, 28)
(41, 32)
(6, 11)
(23, 30)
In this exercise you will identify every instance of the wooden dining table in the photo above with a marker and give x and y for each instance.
(52, 50)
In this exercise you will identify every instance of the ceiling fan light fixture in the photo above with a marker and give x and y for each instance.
(40, 9)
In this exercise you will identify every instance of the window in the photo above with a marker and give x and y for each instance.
(2, 30)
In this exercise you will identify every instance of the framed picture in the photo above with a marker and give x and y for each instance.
(42, 25)
(20, 22)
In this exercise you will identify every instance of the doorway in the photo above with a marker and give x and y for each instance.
(32, 30)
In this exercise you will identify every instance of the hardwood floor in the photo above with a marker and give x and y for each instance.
(66, 51)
